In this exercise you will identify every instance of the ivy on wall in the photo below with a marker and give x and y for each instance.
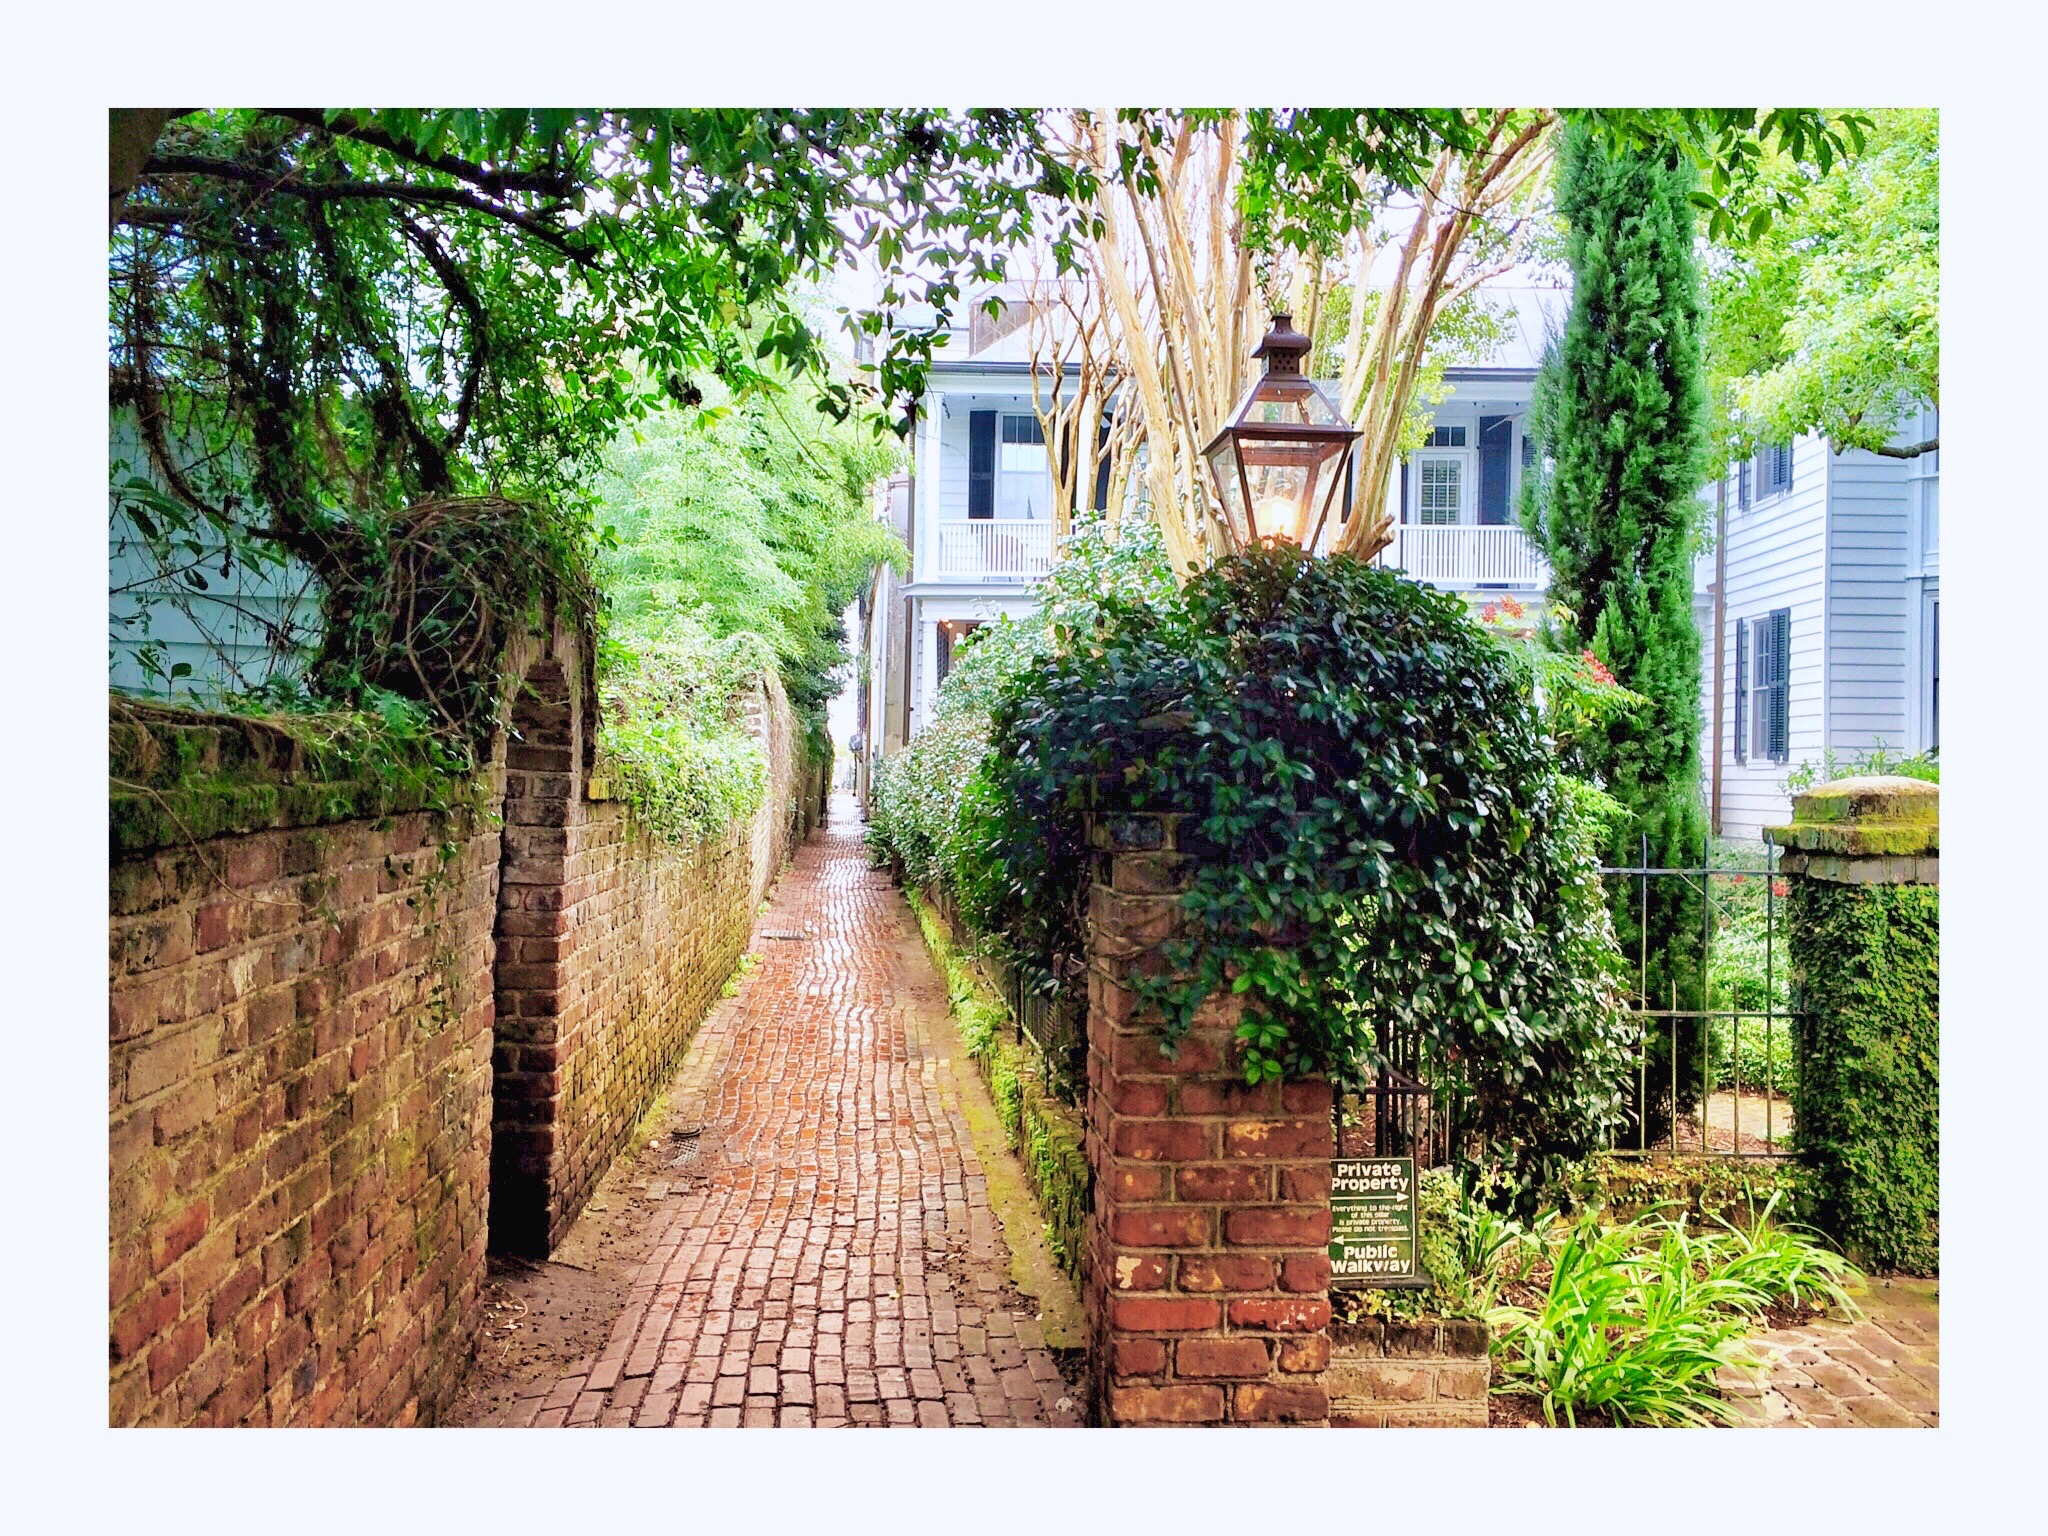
(1391, 848)
(1867, 1102)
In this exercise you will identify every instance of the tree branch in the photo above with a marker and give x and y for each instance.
(549, 183)
(391, 191)
(452, 279)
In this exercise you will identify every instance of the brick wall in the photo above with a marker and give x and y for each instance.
(298, 1127)
(1208, 1276)
(1432, 1373)
(304, 990)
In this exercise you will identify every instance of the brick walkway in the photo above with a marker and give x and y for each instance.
(1883, 1371)
(827, 1254)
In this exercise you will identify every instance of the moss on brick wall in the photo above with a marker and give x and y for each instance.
(178, 777)
(1867, 1104)
(1044, 1132)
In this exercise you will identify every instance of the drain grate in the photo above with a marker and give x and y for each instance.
(785, 933)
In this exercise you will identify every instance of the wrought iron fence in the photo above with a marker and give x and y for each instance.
(1400, 1114)
(1756, 1114)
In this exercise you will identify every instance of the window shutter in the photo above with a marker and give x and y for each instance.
(1782, 479)
(1102, 469)
(1404, 492)
(1741, 690)
(1742, 479)
(1781, 685)
(1934, 680)
(1496, 443)
(981, 463)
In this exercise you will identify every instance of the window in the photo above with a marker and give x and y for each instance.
(1442, 491)
(1742, 484)
(1774, 470)
(1763, 687)
(1023, 475)
(1446, 437)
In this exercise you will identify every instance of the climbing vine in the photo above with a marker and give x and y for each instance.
(1392, 848)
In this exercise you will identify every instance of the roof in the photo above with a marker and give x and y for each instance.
(979, 343)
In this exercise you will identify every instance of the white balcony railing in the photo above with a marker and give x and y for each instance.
(1466, 555)
(993, 549)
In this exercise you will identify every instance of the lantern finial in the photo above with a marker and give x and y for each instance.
(1284, 346)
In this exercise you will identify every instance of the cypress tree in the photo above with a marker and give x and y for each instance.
(1620, 410)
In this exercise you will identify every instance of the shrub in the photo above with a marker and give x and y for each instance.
(1395, 850)
(915, 811)
(1830, 766)
(674, 740)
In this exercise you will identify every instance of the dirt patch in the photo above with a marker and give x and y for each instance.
(1757, 1123)
(1524, 1410)
(543, 1321)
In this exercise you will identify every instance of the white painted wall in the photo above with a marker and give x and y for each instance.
(1854, 550)
(223, 633)
(1775, 558)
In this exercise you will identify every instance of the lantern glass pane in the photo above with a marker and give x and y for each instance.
(1223, 467)
(1287, 400)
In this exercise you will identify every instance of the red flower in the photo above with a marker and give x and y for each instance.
(1779, 888)
(1511, 608)
(1600, 673)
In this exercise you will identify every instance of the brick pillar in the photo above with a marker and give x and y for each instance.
(527, 1214)
(1863, 924)
(1208, 1272)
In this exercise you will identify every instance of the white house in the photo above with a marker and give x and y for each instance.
(1824, 589)
(975, 508)
(1823, 585)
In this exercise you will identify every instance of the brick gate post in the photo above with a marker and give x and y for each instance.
(1863, 935)
(1207, 1289)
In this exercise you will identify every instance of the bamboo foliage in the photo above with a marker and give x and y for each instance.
(1186, 291)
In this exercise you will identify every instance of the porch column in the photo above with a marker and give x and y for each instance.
(928, 668)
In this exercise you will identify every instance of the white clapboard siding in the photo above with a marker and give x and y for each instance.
(226, 634)
(1775, 558)
(1868, 613)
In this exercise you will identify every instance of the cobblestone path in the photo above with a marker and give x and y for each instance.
(1882, 1371)
(826, 1253)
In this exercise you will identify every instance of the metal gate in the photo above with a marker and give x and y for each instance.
(1758, 1123)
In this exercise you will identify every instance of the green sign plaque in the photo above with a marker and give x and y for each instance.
(1372, 1223)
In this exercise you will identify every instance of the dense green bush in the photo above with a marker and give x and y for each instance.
(931, 808)
(915, 810)
(1395, 850)
(673, 742)
(1866, 963)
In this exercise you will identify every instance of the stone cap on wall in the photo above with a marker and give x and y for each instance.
(1873, 816)
(1870, 830)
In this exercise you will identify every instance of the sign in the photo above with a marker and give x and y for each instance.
(1372, 1223)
